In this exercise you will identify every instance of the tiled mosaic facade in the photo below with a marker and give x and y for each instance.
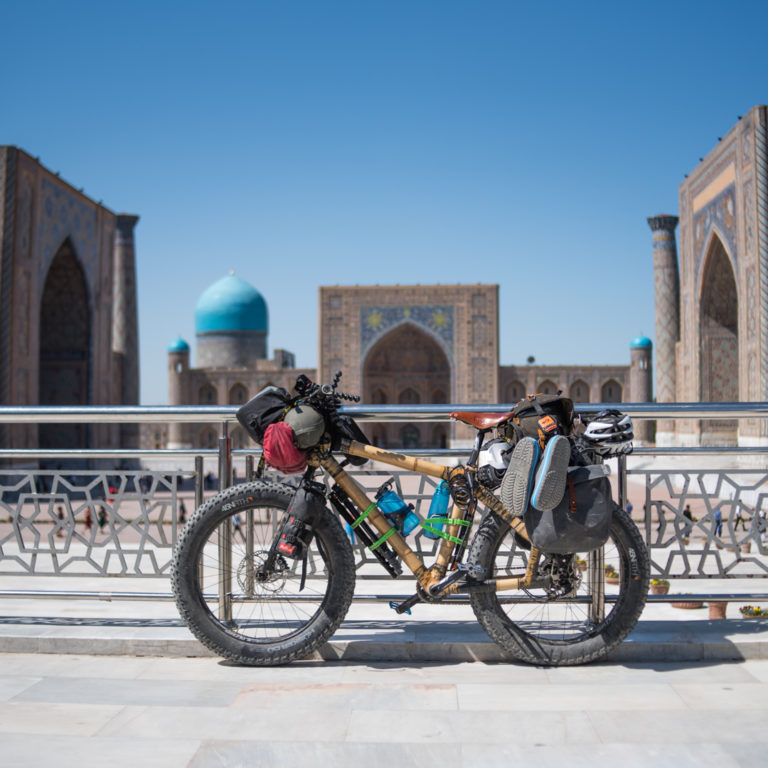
(61, 266)
(720, 352)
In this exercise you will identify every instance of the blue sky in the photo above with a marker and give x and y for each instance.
(305, 143)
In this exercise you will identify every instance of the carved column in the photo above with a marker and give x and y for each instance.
(125, 331)
(666, 278)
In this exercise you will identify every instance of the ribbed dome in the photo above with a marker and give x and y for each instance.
(178, 345)
(231, 304)
(640, 342)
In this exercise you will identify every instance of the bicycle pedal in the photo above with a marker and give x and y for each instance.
(405, 606)
(396, 608)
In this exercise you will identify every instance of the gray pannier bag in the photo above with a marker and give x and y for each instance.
(582, 520)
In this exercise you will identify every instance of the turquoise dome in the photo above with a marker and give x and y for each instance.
(178, 345)
(231, 304)
(640, 342)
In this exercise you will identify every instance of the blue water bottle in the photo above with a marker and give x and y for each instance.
(438, 509)
(400, 514)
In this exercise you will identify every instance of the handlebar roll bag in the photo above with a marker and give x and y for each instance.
(263, 409)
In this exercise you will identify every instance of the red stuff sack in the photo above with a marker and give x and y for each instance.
(280, 451)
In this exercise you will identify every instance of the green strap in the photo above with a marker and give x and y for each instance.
(444, 520)
(363, 516)
(377, 544)
(425, 524)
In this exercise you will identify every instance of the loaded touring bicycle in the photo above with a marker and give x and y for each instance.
(526, 529)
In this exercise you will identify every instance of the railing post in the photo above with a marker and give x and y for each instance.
(225, 530)
(622, 481)
(199, 481)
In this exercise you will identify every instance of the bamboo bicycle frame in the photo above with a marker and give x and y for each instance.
(426, 576)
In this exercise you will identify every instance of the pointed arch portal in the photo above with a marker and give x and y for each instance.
(719, 352)
(406, 365)
(65, 347)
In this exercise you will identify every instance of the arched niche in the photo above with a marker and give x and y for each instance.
(547, 387)
(579, 391)
(514, 391)
(207, 395)
(238, 394)
(611, 392)
(65, 347)
(407, 365)
(719, 340)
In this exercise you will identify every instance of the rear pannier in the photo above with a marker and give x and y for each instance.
(582, 520)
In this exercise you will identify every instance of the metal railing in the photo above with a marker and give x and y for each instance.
(51, 521)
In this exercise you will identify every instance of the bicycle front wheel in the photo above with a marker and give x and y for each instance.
(594, 602)
(240, 610)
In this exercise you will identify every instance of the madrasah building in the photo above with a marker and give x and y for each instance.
(68, 320)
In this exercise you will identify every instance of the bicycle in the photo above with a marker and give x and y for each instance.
(281, 593)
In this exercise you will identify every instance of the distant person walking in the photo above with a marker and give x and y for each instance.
(60, 516)
(718, 522)
(688, 515)
(101, 518)
(88, 520)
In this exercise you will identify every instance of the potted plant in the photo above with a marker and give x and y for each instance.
(659, 586)
(717, 610)
(753, 612)
(687, 604)
(611, 575)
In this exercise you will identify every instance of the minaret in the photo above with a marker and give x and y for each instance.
(125, 331)
(666, 279)
(178, 367)
(641, 383)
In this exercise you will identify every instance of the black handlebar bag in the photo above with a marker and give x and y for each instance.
(581, 521)
(267, 407)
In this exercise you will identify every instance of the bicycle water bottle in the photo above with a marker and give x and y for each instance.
(400, 514)
(438, 508)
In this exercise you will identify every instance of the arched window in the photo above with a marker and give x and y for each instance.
(514, 391)
(611, 392)
(379, 396)
(207, 395)
(547, 387)
(440, 436)
(238, 395)
(439, 396)
(207, 438)
(410, 437)
(579, 392)
(409, 396)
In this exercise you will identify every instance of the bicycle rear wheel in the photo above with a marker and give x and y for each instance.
(583, 617)
(237, 609)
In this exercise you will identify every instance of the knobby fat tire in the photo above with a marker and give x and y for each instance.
(594, 642)
(334, 549)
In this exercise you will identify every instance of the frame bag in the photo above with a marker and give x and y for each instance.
(582, 520)
(346, 427)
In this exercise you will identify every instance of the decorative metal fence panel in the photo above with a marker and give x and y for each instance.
(702, 522)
